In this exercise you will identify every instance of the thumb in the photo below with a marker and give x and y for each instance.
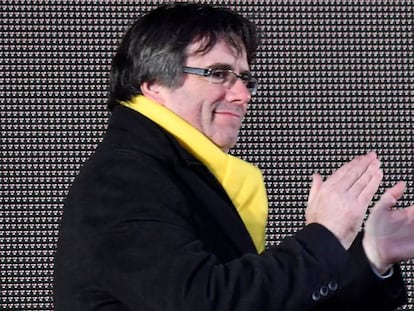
(316, 184)
(391, 196)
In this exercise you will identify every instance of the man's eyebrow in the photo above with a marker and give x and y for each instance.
(227, 67)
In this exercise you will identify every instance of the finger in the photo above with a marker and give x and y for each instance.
(316, 185)
(391, 196)
(340, 172)
(367, 193)
(397, 190)
(346, 176)
(368, 179)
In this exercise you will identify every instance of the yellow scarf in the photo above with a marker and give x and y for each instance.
(242, 181)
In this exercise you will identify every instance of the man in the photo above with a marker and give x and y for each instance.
(163, 218)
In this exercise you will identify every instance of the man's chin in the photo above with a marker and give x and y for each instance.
(226, 144)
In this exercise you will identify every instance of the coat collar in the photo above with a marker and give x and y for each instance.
(140, 131)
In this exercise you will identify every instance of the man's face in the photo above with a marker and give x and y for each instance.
(214, 109)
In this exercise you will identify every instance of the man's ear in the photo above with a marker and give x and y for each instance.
(152, 91)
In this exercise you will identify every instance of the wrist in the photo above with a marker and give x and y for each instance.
(379, 266)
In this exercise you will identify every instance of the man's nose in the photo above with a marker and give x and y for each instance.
(239, 93)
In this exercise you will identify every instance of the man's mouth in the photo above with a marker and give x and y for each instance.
(229, 113)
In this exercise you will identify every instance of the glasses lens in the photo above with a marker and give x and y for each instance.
(251, 85)
(219, 76)
(228, 78)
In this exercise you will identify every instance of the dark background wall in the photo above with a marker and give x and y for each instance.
(336, 80)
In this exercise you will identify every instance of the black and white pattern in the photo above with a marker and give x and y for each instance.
(336, 80)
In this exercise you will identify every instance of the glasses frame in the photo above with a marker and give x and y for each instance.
(208, 73)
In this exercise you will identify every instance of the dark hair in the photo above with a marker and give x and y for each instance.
(153, 49)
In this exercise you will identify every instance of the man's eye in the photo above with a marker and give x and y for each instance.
(245, 77)
(218, 74)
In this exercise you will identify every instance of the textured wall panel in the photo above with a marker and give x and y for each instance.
(337, 80)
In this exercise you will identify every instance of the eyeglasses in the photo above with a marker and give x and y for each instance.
(226, 77)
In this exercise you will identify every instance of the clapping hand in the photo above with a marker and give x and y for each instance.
(340, 203)
(389, 233)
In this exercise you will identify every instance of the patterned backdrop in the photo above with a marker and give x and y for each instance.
(336, 80)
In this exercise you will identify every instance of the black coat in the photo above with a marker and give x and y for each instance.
(146, 227)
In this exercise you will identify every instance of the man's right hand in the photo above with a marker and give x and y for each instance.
(340, 202)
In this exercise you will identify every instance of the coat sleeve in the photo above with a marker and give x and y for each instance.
(137, 242)
(173, 272)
